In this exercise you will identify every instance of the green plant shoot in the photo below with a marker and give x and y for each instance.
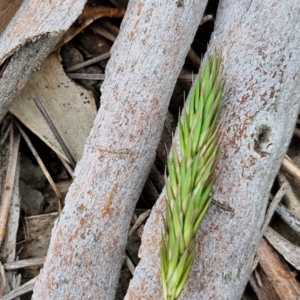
(190, 181)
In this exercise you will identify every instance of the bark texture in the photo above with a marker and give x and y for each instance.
(260, 44)
(28, 38)
(88, 241)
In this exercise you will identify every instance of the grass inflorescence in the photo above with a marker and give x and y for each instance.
(190, 181)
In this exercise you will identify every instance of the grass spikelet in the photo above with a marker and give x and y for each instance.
(191, 179)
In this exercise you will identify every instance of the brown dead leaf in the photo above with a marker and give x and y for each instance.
(71, 108)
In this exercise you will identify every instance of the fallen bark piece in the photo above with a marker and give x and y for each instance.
(277, 271)
(261, 286)
(289, 251)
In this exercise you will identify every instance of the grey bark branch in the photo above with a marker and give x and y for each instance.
(260, 44)
(88, 241)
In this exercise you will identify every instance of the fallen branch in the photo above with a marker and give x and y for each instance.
(88, 241)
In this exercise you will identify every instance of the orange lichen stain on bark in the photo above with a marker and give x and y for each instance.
(82, 207)
(155, 101)
(140, 6)
(155, 240)
(108, 203)
(69, 296)
(131, 36)
(82, 221)
(59, 232)
(90, 194)
(202, 286)
(73, 236)
(58, 245)
(89, 263)
(252, 160)
(51, 285)
(136, 24)
(101, 154)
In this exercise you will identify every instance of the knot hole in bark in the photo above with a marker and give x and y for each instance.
(180, 3)
(262, 140)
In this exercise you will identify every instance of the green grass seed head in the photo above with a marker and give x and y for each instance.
(191, 178)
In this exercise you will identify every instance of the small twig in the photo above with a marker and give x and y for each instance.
(55, 131)
(188, 77)
(24, 263)
(254, 264)
(113, 29)
(88, 62)
(9, 181)
(21, 290)
(194, 58)
(86, 76)
(288, 218)
(109, 26)
(271, 210)
(42, 166)
(206, 19)
(98, 29)
(291, 200)
(5, 135)
(67, 166)
(290, 167)
(139, 221)
(258, 279)
(129, 263)
(2, 273)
